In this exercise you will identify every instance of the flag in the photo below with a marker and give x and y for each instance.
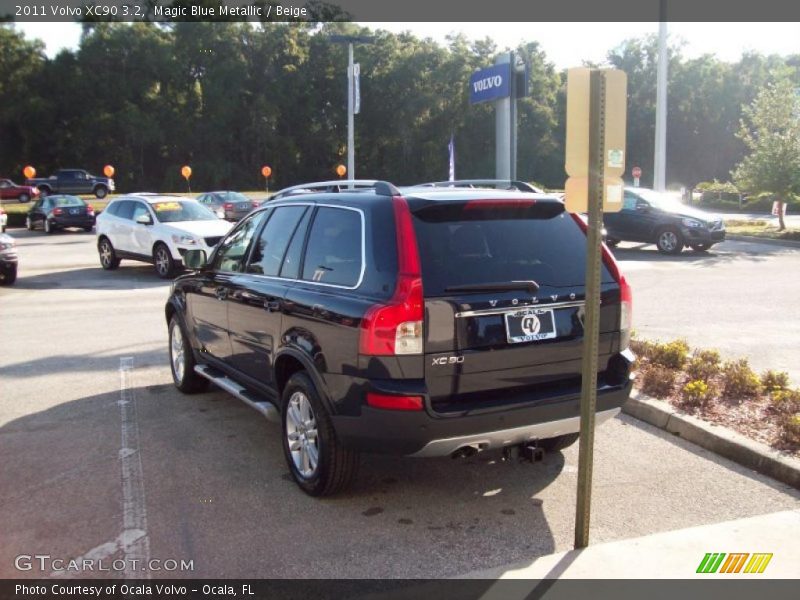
(451, 147)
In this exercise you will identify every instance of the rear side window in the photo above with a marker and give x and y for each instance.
(271, 245)
(333, 255)
(465, 250)
(125, 209)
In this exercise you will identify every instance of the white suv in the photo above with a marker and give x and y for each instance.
(157, 229)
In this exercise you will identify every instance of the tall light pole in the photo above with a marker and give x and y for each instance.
(351, 135)
(660, 154)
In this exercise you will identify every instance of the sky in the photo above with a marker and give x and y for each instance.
(565, 44)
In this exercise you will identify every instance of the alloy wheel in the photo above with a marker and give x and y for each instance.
(668, 241)
(302, 435)
(176, 352)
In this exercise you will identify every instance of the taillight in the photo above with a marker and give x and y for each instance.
(58, 211)
(228, 206)
(89, 209)
(390, 402)
(625, 292)
(395, 327)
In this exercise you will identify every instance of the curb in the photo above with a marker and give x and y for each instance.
(717, 439)
(762, 240)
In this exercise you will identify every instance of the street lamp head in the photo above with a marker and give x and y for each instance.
(351, 39)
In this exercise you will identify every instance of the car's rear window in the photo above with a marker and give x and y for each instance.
(467, 250)
(68, 201)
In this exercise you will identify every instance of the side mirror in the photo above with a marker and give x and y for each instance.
(195, 259)
(144, 219)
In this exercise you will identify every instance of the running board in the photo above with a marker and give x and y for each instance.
(265, 407)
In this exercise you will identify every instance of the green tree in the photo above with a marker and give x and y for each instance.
(770, 130)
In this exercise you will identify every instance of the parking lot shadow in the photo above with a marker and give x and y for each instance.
(218, 492)
(725, 252)
(92, 278)
(79, 363)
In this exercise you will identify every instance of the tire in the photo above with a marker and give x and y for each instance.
(181, 361)
(701, 247)
(100, 192)
(47, 226)
(307, 432)
(163, 261)
(669, 241)
(28, 224)
(8, 277)
(88, 228)
(23, 198)
(558, 443)
(108, 257)
(612, 243)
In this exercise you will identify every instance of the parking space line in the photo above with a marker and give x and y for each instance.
(133, 541)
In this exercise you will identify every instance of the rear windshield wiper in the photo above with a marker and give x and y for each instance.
(499, 286)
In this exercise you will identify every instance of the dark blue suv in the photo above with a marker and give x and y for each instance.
(427, 322)
(655, 218)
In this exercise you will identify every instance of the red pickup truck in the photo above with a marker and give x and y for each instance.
(11, 191)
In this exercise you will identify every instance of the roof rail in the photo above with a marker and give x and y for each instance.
(383, 188)
(509, 184)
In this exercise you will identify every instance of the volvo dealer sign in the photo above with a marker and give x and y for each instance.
(490, 84)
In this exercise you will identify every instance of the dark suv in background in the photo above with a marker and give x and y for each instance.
(432, 322)
(655, 218)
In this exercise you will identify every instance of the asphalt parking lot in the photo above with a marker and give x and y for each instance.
(104, 458)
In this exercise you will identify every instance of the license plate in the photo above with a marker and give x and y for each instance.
(530, 325)
(73, 211)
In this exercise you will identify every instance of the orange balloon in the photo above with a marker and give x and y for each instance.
(186, 171)
(108, 171)
(341, 170)
(29, 172)
(266, 171)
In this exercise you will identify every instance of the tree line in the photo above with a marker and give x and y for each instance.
(227, 98)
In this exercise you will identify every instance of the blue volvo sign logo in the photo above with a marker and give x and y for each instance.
(490, 84)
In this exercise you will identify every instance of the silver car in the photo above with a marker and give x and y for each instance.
(231, 206)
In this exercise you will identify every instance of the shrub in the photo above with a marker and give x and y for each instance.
(774, 381)
(657, 381)
(703, 365)
(672, 354)
(785, 401)
(698, 392)
(739, 380)
(642, 349)
(791, 429)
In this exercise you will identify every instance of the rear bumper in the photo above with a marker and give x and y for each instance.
(412, 433)
(73, 221)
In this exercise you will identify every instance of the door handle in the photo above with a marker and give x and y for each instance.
(221, 293)
(272, 305)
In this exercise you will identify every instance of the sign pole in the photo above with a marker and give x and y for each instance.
(351, 138)
(591, 329)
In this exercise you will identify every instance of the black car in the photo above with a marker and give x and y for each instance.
(8, 259)
(436, 322)
(231, 206)
(59, 212)
(655, 218)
